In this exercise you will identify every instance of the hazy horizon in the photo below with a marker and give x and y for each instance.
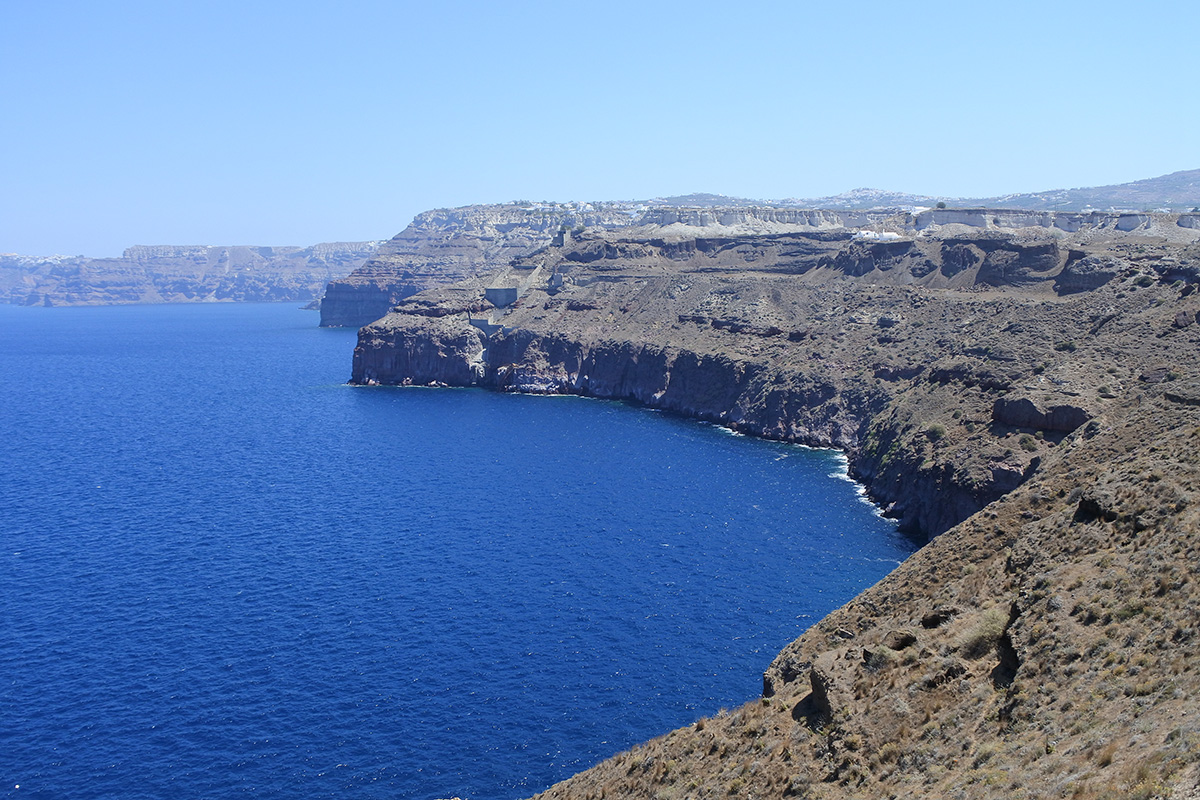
(275, 124)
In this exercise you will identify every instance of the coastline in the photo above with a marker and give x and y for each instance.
(988, 419)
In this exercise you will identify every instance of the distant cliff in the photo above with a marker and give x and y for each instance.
(1027, 386)
(1178, 191)
(174, 274)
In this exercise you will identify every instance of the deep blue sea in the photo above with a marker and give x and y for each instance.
(225, 573)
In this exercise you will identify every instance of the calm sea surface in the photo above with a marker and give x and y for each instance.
(225, 573)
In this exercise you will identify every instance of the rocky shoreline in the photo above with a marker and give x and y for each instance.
(1028, 395)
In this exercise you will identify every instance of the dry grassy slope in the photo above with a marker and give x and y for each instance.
(1044, 647)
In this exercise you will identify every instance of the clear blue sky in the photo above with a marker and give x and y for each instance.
(255, 122)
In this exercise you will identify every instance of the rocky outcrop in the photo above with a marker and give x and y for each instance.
(1083, 273)
(1042, 414)
(173, 274)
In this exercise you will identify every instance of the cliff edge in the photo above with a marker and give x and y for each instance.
(1030, 395)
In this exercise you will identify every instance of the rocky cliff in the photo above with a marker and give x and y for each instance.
(1030, 394)
(172, 274)
(448, 245)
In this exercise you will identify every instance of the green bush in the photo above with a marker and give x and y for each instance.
(935, 432)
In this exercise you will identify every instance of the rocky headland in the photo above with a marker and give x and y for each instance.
(448, 245)
(180, 274)
(1022, 387)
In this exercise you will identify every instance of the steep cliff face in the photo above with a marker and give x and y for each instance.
(171, 274)
(1042, 420)
(944, 400)
(447, 245)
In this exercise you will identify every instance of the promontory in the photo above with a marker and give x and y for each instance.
(1022, 387)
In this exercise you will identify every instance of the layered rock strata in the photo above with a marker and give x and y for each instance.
(448, 245)
(1031, 398)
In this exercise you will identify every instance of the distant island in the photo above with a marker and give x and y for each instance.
(180, 274)
(1176, 192)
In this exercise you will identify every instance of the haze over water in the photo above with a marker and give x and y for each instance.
(223, 572)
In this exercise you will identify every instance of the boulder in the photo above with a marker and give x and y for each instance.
(899, 639)
(1043, 414)
(1086, 273)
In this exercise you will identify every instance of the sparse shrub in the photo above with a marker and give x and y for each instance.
(1027, 442)
(879, 658)
(1129, 611)
(935, 432)
(889, 752)
(986, 752)
(1144, 281)
(1065, 346)
(982, 637)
